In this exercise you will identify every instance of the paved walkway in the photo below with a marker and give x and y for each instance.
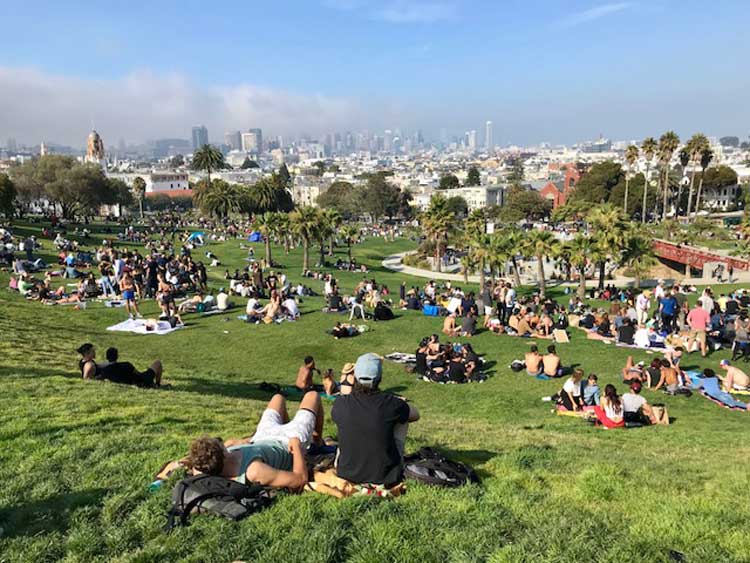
(395, 264)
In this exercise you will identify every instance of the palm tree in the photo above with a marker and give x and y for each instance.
(219, 198)
(326, 230)
(684, 157)
(639, 256)
(208, 158)
(334, 219)
(437, 224)
(477, 242)
(304, 223)
(648, 149)
(513, 247)
(139, 191)
(541, 244)
(631, 157)
(580, 250)
(609, 229)
(668, 143)
(350, 233)
(707, 155)
(284, 230)
(266, 224)
(694, 148)
(270, 194)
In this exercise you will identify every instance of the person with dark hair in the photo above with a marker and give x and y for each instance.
(635, 407)
(533, 360)
(591, 391)
(552, 363)
(698, 319)
(274, 456)
(610, 411)
(469, 324)
(372, 427)
(626, 332)
(668, 377)
(571, 391)
(116, 371)
(304, 380)
(472, 361)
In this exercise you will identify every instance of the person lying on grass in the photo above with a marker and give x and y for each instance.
(344, 330)
(274, 456)
(115, 371)
(735, 379)
(633, 372)
(372, 427)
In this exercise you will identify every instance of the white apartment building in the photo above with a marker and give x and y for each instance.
(720, 199)
(156, 182)
(477, 197)
(306, 193)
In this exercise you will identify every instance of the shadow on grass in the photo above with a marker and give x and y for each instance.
(473, 458)
(233, 389)
(37, 372)
(52, 514)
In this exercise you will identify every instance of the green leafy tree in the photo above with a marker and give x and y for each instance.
(208, 158)
(343, 197)
(438, 224)
(320, 167)
(177, 161)
(404, 204)
(449, 182)
(473, 178)
(333, 221)
(285, 176)
(304, 222)
(380, 197)
(515, 177)
(219, 198)
(119, 194)
(525, 204)
(139, 192)
(267, 225)
(7, 196)
(268, 195)
(596, 185)
(610, 231)
(458, 205)
(648, 150)
(638, 255)
(579, 250)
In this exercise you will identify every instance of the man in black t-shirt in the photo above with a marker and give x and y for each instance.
(125, 372)
(626, 332)
(372, 428)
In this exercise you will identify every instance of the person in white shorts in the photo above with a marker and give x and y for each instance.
(307, 424)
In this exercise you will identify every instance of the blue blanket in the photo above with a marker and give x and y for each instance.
(711, 388)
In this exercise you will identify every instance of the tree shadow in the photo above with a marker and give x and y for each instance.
(52, 514)
(473, 458)
(36, 372)
(233, 389)
(395, 390)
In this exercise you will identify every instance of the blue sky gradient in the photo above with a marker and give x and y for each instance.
(541, 70)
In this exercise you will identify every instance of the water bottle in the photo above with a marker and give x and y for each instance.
(155, 486)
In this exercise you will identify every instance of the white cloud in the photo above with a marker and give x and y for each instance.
(399, 11)
(594, 13)
(36, 106)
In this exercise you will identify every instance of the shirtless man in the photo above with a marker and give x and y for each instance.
(552, 364)
(533, 361)
(449, 325)
(127, 288)
(735, 379)
(669, 378)
(305, 374)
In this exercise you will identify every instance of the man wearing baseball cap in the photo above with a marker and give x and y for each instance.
(635, 407)
(372, 427)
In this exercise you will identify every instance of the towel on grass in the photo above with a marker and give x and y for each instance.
(138, 326)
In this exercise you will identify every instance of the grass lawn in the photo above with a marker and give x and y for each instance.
(77, 457)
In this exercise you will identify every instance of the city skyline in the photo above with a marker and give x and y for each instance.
(540, 73)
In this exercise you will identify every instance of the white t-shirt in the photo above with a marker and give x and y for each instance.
(659, 292)
(510, 297)
(453, 304)
(708, 304)
(222, 301)
(632, 402)
(291, 306)
(328, 287)
(642, 303)
(641, 338)
(572, 387)
(252, 305)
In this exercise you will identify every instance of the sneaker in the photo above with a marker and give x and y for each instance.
(130, 316)
(139, 316)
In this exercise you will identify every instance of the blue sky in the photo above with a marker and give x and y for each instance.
(540, 70)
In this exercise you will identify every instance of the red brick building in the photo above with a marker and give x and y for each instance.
(558, 191)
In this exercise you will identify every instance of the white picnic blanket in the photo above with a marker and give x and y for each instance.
(138, 326)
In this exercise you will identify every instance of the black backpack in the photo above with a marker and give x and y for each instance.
(215, 495)
(432, 468)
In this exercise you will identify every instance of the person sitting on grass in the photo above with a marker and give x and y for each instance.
(372, 427)
(635, 408)
(449, 325)
(633, 372)
(570, 396)
(304, 380)
(591, 391)
(533, 360)
(626, 332)
(275, 455)
(735, 379)
(469, 324)
(115, 371)
(610, 412)
(344, 385)
(552, 363)
(472, 362)
(668, 377)
(545, 328)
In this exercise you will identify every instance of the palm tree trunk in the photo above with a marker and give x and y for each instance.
(540, 274)
(581, 292)
(690, 194)
(602, 273)
(437, 256)
(665, 186)
(698, 195)
(481, 275)
(269, 260)
(140, 206)
(645, 194)
(516, 274)
(305, 254)
(637, 278)
(322, 253)
(349, 250)
(330, 246)
(625, 205)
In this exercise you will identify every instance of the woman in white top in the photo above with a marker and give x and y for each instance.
(612, 404)
(571, 392)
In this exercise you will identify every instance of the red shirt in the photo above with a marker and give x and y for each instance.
(698, 318)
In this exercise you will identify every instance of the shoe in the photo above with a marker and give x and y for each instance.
(139, 316)
(130, 316)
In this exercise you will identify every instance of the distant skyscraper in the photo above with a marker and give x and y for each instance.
(388, 141)
(11, 146)
(252, 141)
(200, 136)
(233, 139)
(489, 142)
(471, 140)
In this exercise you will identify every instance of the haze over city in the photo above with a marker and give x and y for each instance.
(541, 71)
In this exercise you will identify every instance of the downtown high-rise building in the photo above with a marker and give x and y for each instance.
(471, 140)
(200, 137)
(388, 140)
(252, 141)
(233, 139)
(489, 142)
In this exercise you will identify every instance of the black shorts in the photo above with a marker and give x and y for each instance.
(145, 378)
